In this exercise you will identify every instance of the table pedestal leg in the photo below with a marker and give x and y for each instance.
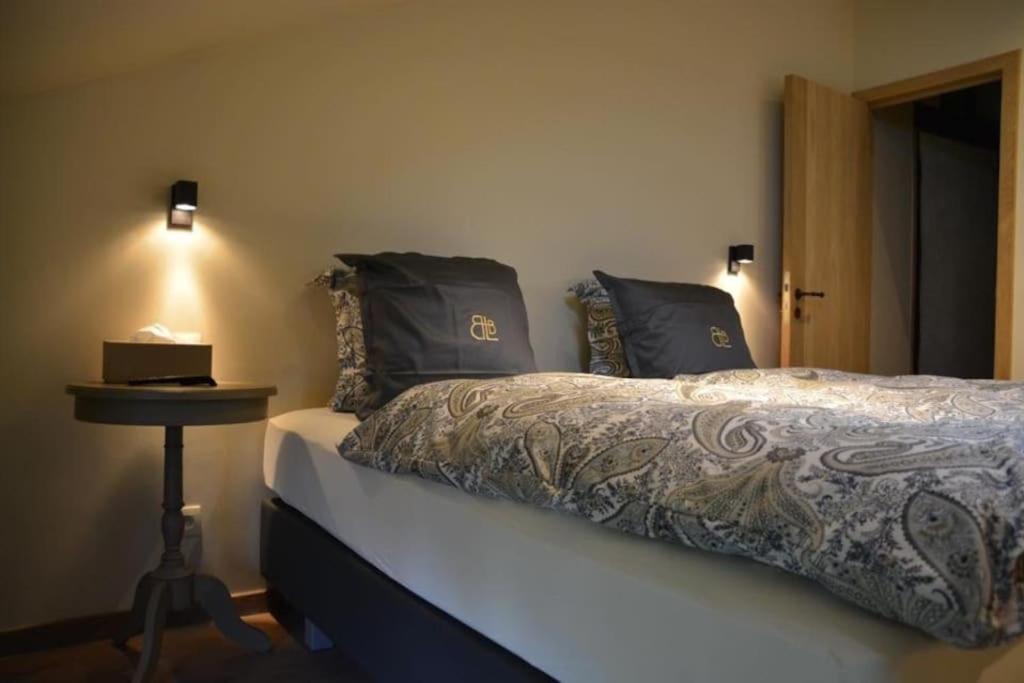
(156, 618)
(137, 618)
(213, 595)
(172, 586)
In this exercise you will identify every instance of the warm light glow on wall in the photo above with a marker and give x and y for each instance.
(737, 284)
(189, 281)
(181, 303)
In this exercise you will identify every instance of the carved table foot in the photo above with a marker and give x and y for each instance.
(137, 617)
(156, 617)
(214, 597)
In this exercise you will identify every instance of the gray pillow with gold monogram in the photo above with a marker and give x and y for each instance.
(671, 329)
(351, 388)
(432, 318)
(607, 356)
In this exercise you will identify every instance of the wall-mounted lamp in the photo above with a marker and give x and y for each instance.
(740, 254)
(184, 202)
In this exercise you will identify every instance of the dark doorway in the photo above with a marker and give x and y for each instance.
(957, 170)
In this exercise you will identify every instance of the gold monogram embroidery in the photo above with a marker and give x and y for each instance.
(720, 338)
(483, 328)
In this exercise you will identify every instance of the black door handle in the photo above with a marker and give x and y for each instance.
(800, 294)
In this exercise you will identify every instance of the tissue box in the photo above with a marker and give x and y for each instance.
(128, 361)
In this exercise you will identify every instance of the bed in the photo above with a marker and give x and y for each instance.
(524, 593)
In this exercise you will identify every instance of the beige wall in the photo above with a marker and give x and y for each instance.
(640, 137)
(903, 38)
(906, 38)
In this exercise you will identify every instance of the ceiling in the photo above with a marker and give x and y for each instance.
(45, 44)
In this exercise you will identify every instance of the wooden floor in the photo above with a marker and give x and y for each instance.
(193, 653)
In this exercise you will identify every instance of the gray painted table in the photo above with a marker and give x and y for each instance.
(172, 586)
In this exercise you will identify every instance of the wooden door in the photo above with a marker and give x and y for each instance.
(827, 225)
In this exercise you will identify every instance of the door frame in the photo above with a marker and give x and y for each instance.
(1005, 68)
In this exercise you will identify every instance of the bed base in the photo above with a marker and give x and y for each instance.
(324, 590)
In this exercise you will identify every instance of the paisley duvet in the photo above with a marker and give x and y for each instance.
(903, 495)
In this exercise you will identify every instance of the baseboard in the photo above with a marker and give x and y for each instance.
(104, 626)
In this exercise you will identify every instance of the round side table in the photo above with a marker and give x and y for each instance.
(172, 586)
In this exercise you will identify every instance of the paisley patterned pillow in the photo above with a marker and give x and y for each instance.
(351, 388)
(607, 356)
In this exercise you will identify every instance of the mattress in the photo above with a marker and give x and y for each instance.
(585, 603)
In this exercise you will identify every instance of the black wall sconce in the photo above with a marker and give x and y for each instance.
(184, 202)
(738, 255)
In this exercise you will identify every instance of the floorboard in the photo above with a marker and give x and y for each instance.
(190, 654)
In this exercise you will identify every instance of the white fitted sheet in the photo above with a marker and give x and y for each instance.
(585, 603)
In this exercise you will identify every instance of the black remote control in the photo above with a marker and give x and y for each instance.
(184, 381)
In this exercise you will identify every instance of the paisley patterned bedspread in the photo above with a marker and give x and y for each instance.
(904, 495)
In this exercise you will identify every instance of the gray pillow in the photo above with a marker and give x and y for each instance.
(431, 318)
(671, 329)
(607, 356)
(351, 388)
